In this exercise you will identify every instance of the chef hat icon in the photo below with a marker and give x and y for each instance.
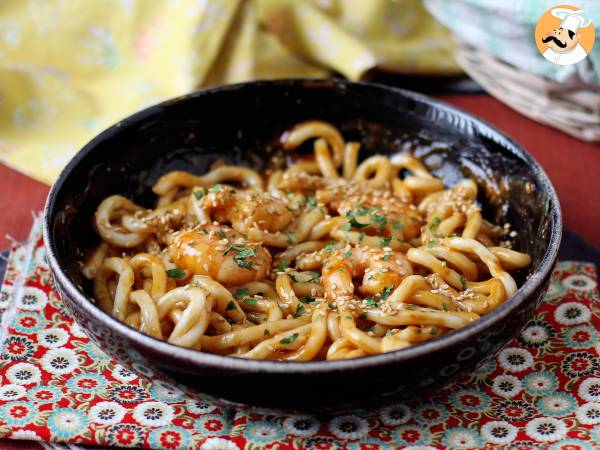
(570, 19)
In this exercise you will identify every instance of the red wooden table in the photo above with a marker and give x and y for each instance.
(573, 167)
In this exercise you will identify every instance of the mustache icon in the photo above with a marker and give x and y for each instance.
(556, 41)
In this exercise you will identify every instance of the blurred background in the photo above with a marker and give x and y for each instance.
(70, 68)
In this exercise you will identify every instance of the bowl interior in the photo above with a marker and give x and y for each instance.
(241, 124)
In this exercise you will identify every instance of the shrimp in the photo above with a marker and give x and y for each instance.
(243, 210)
(379, 269)
(377, 213)
(221, 253)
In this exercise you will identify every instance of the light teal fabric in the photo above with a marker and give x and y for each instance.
(506, 29)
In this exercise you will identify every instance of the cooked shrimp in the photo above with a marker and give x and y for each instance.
(221, 253)
(378, 268)
(243, 210)
(376, 213)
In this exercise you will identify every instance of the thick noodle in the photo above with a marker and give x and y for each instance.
(332, 257)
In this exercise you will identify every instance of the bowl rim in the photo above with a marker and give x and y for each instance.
(195, 357)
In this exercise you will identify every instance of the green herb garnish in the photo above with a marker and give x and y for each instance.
(230, 306)
(175, 273)
(386, 292)
(313, 276)
(356, 224)
(435, 221)
(381, 220)
(306, 299)
(288, 340)
(372, 302)
(243, 253)
(329, 247)
(283, 264)
(250, 301)
(433, 331)
(385, 241)
(216, 188)
(241, 293)
(199, 193)
(463, 283)
(299, 311)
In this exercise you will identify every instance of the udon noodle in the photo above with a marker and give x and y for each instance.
(327, 258)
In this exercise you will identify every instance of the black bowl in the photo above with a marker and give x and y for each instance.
(241, 124)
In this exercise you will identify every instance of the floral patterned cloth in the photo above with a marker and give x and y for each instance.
(541, 391)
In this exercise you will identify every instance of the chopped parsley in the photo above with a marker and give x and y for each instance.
(241, 293)
(329, 247)
(363, 316)
(369, 329)
(290, 339)
(435, 222)
(311, 201)
(463, 283)
(306, 299)
(361, 236)
(250, 301)
(222, 234)
(370, 301)
(267, 333)
(433, 331)
(242, 254)
(387, 256)
(313, 276)
(199, 193)
(356, 224)
(176, 273)
(381, 221)
(230, 306)
(397, 225)
(293, 277)
(347, 254)
(291, 238)
(216, 188)
(432, 244)
(347, 226)
(386, 292)
(389, 333)
(283, 264)
(385, 241)
(299, 311)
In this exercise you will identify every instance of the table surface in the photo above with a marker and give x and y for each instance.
(572, 165)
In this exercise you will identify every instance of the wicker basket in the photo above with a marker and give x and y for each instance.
(570, 108)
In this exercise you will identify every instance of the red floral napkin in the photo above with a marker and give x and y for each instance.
(541, 391)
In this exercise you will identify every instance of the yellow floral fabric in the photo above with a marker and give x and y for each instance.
(70, 68)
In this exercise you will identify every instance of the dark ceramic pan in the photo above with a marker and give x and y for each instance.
(240, 124)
